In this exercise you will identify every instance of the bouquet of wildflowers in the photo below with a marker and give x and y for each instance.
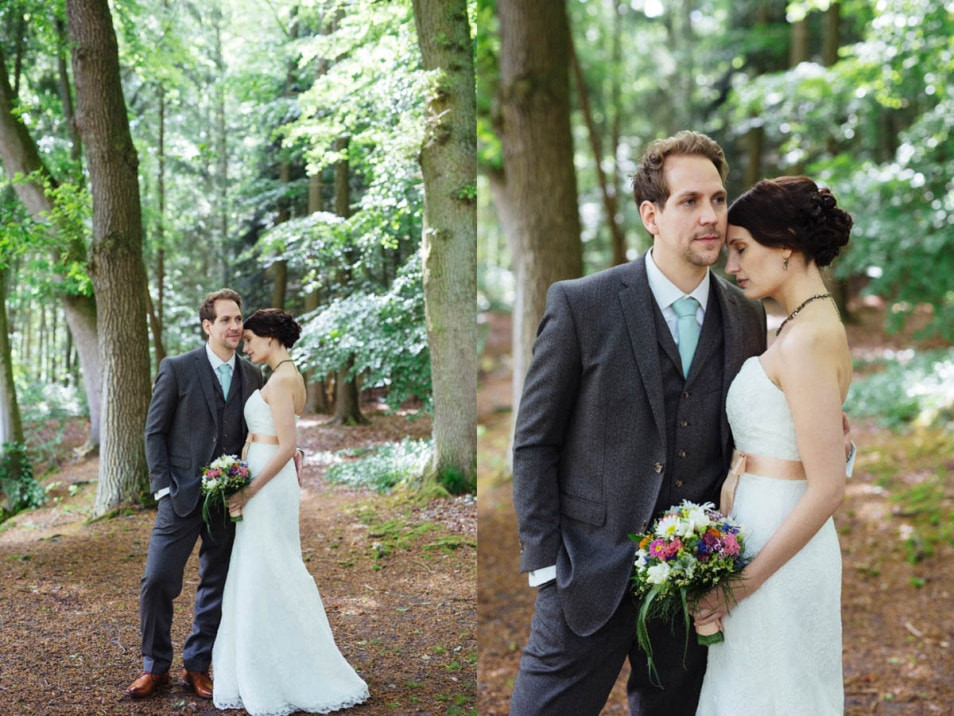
(689, 550)
(220, 480)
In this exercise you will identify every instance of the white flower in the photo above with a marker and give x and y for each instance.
(658, 574)
(696, 520)
(642, 558)
(668, 526)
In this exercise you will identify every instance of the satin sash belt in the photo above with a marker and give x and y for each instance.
(258, 438)
(767, 466)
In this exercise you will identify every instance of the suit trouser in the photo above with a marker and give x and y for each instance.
(562, 673)
(170, 547)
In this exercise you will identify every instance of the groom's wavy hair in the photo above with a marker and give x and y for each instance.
(207, 309)
(649, 181)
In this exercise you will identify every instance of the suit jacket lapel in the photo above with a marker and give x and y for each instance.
(203, 371)
(635, 297)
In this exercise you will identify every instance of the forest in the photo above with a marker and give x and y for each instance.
(856, 95)
(318, 157)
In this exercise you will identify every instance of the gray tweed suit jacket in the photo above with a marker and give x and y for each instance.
(590, 444)
(182, 426)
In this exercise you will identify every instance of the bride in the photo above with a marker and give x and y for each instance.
(782, 648)
(275, 653)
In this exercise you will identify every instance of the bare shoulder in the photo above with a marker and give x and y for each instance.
(813, 351)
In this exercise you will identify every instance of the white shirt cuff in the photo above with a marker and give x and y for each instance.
(850, 463)
(161, 493)
(542, 576)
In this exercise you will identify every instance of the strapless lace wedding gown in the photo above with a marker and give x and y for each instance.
(274, 652)
(782, 650)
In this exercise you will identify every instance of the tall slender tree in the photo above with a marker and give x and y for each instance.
(115, 256)
(449, 245)
(535, 194)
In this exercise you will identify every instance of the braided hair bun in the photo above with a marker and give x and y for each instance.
(274, 323)
(792, 212)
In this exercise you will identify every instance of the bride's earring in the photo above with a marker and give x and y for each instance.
(785, 263)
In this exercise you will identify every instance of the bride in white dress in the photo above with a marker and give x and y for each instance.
(782, 649)
(275, 652)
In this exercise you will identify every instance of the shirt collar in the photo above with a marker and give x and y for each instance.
(665, 291)
(216, 361)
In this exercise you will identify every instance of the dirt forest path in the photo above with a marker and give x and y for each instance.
(397, 578)
(898, 621)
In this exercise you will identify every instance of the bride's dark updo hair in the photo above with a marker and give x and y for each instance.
(274, 323)
(791, 212)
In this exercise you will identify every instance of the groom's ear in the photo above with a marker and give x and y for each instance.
(647, 212)
(207, 326)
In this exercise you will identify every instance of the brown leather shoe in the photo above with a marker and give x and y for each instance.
(146, 685)
(200, 683)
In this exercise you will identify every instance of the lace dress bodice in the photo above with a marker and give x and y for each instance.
(758, 414)
(258, 416)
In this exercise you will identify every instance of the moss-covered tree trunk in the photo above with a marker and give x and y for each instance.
(115, 256)
(449, 244)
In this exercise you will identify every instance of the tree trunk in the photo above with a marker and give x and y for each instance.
(155, 308)
(115, 257)
(19, 155)
(832, 35)
(347, 403)
(347, 399)
(607, 191)
(798, 50)
(754, 142)
(449, 245)
(316, 400)
(539, 188)
(11, 426)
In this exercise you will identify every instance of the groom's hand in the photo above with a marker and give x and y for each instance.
(299, 461)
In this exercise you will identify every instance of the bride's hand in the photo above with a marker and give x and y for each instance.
(711, 608)
(236, 503)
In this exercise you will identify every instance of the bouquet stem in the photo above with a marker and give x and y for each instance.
(709, 634)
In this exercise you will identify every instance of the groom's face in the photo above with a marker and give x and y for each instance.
(690, 228)
(225, 331)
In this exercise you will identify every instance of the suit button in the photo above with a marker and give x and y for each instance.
(658, 467)
(682, 453)
(643, 528)
(683, 423)
(679, 483)
(686, 394)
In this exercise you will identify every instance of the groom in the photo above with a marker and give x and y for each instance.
(622, 415)
(194, 417)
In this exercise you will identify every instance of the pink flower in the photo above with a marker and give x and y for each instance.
(657, 548)
(730, 545)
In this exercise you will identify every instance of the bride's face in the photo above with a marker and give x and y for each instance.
(255, 347)
(758, 270)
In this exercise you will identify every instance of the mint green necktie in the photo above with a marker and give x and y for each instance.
(225, 378)
(687, 330)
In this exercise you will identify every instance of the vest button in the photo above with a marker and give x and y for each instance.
(679, 483)
(682, 453)
(683, 423)
(658, 467)
(686, 394)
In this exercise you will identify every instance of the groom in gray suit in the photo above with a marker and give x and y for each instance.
(622, 415)
(196, 415)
